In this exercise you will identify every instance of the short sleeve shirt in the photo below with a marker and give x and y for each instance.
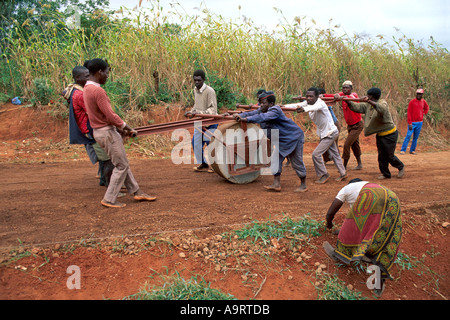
(350, 192)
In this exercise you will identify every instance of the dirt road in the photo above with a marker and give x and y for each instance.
(59, 202)
(48, 205)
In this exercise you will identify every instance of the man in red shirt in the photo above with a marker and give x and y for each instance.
(80, 131)
(417, 108)
(108, 129)
(355, 125)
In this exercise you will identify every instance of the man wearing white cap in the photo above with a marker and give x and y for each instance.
(417, 108)
(355, 126)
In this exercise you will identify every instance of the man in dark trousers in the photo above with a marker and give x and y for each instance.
(378, 120)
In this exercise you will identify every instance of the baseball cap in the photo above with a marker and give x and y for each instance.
(347, 83)
(419, 91)
(265, 94)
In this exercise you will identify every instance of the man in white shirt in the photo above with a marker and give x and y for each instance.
(327, 132)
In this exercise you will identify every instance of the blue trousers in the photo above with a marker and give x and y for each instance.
(414, 132)
(199, 140)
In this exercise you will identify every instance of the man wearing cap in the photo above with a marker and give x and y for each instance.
(290, 135)
(417, 108)
(355, 126)
(378, 120)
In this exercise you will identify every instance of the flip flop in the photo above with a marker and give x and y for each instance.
(341, 178)
(336, 232)
(203, 169)
(329, 250)
(379, 292)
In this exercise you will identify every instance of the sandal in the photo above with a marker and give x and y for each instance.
(202, 168)
(329, 250)
(379, 292)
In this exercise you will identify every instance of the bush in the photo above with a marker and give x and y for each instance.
(41, 92)
(226, 91)
(164, 94)
(118, 92)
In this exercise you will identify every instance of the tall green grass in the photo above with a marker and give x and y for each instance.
(160, 46)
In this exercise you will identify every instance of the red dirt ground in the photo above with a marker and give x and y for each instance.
(51, 218)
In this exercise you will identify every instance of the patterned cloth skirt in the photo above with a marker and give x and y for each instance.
(372, 228)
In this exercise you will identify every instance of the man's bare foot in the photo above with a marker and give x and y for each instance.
(323, 179)
(141, 196)
(302, 188)
(272, 187)
(112, 205)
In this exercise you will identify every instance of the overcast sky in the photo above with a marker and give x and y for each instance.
(417, 19)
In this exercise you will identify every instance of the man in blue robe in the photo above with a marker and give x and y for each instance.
(291, 137)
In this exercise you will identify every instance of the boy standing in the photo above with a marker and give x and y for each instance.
(205, 102)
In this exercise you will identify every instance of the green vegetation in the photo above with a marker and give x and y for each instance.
(406, 262)
(153, 59)
(332, 288)
(285, 228)
(177, 288)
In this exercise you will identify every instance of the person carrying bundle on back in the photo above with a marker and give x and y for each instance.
(80, 130)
